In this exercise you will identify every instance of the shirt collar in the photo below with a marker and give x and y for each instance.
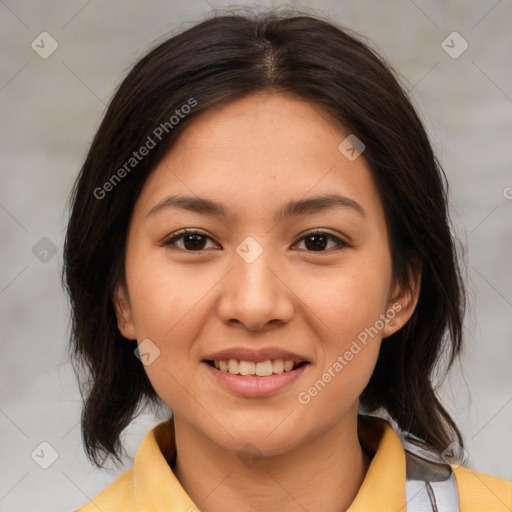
(156, 487)
(383, 487)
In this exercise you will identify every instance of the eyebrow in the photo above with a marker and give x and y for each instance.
(291, 208)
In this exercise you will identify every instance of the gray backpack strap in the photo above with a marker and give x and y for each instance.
(430, 483)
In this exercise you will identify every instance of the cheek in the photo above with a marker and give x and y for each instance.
(347, 306)
(349, 328)
(336, 388)
(171, 304)
(346, 300)
(164, 296)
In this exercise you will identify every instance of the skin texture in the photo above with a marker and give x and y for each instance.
(253, 155)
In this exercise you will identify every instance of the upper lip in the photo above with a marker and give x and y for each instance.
(249, 354)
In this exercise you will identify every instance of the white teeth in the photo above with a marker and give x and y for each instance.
(288, 365)
(261, 368)
(233, 366)
(278, 366)
(247, 368)
(264, 368)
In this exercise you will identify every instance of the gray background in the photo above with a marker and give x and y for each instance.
(50, 110)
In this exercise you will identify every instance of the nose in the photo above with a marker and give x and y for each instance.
(255, 293)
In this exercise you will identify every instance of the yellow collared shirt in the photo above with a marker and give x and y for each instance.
(150, 485)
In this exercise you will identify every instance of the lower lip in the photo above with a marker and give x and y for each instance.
(253, 386)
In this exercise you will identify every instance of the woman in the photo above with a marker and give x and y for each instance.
(259, 240)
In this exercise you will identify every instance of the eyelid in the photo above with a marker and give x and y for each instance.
(185, 231)
(342, 242)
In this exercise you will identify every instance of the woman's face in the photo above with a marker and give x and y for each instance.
(272, 278)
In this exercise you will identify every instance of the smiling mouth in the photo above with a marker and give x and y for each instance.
(256, 369)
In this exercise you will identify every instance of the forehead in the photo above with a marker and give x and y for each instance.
(256, 151)
(272, 121)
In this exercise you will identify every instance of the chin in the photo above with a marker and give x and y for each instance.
(261, 436)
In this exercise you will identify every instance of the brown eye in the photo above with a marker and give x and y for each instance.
(195, 241)
(192, 241)
(319, 240)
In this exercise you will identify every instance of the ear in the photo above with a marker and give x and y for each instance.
(123, 311)
(402, 302)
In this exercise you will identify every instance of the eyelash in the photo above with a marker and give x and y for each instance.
(342, 244)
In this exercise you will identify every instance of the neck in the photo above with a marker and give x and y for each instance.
(324, 473)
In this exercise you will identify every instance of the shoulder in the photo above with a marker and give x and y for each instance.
(479, 492)
(119, 495)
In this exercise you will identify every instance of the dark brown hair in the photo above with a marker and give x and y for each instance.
(214, 62)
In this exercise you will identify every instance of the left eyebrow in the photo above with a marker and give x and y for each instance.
(289, 209)
(319, 203)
